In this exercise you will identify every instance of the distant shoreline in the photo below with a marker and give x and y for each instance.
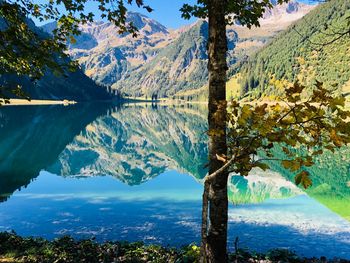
(24, 102)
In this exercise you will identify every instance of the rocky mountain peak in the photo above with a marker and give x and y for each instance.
(145, 24)
(292, 10)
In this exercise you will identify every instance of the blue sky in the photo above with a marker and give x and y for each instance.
(165, 11)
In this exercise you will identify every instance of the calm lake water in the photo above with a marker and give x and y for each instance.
(134, 172)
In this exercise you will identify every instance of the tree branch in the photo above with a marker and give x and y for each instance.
(210, 177)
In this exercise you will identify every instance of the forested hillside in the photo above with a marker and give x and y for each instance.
(304, 52)
(66, 85)
(179, 66)
(71, 86)
(247, 42)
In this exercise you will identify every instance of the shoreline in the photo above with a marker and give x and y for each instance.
(14, 248)
(24, 102)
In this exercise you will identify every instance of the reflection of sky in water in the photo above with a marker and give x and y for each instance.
(167, 210)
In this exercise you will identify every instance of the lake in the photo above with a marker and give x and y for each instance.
(134, 172)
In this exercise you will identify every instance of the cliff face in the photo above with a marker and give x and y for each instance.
(179, 66)
(107, 56)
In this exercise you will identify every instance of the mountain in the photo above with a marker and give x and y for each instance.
(70, 85)
(178, 66)
(163, 61)
(158, 74)
(251, 41)
(73, 86)
(285, 13)
(299, 54)
(106, 56)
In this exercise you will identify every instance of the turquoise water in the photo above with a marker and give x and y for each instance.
(134, 172)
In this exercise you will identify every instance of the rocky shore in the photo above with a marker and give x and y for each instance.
(14, 248)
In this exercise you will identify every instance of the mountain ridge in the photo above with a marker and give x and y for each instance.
(298, 54)
(128, 64)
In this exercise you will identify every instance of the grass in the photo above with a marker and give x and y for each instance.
(346, 90)
(233, 88)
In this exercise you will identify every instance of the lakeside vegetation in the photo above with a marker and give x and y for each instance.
(14, 248)
(306, 52)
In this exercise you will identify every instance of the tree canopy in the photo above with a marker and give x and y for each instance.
(27, 52)
(313, 125)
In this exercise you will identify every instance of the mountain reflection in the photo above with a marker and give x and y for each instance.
(137, 142)
(31, 139)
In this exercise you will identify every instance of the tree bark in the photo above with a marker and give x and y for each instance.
(215, 200)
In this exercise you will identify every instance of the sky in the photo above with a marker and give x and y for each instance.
(165, 12)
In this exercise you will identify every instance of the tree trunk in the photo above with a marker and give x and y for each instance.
(214, 234)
